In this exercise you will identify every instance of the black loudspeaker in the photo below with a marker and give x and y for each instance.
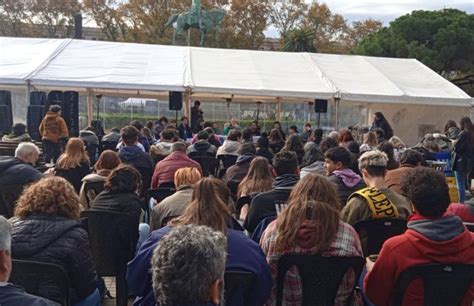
(6, 115)
(54, 97)
(175, 100)
(70, 111)
(320, 106)
(38, 98)
(33, 119)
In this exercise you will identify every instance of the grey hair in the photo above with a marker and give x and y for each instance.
(374, 158)
(185, 264)
(178, 146)
(24, 149)
(5, 234)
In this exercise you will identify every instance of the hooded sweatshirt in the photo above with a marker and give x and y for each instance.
(238, 171)
(442, 240)
(202, 146)
(53, 127)
(347, 182)
(134, 156)
(230, 147)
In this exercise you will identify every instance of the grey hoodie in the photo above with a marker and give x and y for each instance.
(229, 147)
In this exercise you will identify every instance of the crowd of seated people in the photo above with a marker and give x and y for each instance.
(284, 193)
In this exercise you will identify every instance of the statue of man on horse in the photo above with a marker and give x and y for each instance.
(197, 18)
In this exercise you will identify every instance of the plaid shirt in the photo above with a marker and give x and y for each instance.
(345, 244)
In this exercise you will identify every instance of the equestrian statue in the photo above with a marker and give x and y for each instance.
(197, 18)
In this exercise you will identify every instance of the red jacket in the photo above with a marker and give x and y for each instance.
(463, 211)
(413, 248)
(165, 169)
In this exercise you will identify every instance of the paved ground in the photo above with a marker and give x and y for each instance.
(110, 284)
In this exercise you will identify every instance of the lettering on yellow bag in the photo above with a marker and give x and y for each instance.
(379, 205)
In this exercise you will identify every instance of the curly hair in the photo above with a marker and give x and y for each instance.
(53, 196)
(427, 190)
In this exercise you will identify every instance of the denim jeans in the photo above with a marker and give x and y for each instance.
(51, 151)
(143, 231)
(91, 300)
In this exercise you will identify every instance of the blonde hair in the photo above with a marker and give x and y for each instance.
(397, 142)
(53, 196)
(374, 158)
(74, 155)
(186, 176)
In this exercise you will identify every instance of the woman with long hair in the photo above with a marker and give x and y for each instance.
(370, 142)
(73, 164)
(209, 206)
(463, 155)
(276, 141)
(388, 149)
(293, 143)
(380, 122)
(258, 179)
(108, 161)
(46, 228)
(345, 137)
(310, 224)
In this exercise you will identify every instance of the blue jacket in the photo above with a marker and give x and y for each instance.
(243, 254)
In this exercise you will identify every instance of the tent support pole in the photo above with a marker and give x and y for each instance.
(278, 109)
(336, 121)
(90, 99)
(187, 104)
(28, 92)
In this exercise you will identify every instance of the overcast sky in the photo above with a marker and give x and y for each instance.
(386, 10)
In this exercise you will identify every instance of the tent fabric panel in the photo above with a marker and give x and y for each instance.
(19, 57)
(118, 65)
(256, 72)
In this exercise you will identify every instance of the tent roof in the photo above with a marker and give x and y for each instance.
(134, 67)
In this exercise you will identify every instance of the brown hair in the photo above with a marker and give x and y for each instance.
(108, 160)
(345, 136)
(258, 178)
(371, 139)
(74, 155)
(315, 199)
(53, 196)
(208, 206)
(186, 176)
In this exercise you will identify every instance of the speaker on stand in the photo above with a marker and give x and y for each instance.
(6, 114)
(175, 102)
(320, 106)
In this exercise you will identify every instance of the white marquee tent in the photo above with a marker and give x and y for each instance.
(137, 69)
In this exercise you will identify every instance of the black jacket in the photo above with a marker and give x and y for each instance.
(462, 153)
(265, 152)
(344, 191)
(270, 203)
(14, 171)
(134, 156)
(74, 175)
(60, 241)
(126, 202)
(185, 131)
(11, 295)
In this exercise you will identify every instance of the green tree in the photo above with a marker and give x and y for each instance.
(299, 40)
(443, 40)
(109, 17)
(286, 15)
(54, 16)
